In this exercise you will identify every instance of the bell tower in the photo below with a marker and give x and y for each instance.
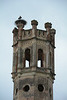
(33, 61)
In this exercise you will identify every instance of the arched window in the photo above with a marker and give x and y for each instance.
(40, 58)
(27, 58)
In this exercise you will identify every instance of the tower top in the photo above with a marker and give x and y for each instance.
(20, 21)
(34, 22)
(48, 25)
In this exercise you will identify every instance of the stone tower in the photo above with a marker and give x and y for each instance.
(33, 61)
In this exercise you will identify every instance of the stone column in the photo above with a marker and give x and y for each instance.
(44, 60)
(53, 32)
(15, 34)
(48, 27)
(31, 56)
(34, 24)
(33, 62)
(53, 62)
(47, 60)
(14, 63)
(34, 55)
(20, 58)
(23, 59)
(20, 24)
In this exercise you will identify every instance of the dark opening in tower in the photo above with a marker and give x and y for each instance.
(27, 58)
(40, 58)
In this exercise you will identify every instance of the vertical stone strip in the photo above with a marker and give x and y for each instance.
(14, 61)
(31, 57)
(34, 55)
(53, 62)
(20, 58)
(44, 60)
(48, 59)
(23, 59)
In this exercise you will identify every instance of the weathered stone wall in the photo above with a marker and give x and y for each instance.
(32, 80)
(33, 83)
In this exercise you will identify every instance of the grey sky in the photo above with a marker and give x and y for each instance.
(54, 11)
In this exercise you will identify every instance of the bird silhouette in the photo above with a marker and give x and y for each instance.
(20, 17)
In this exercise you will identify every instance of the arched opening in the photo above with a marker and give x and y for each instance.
(27, 58)
(40, 58)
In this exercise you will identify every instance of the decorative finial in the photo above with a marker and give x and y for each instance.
(48, 25)
(20, 22)
(19, 17)
(34, 22)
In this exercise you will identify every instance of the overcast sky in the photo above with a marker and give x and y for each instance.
(54, 11)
